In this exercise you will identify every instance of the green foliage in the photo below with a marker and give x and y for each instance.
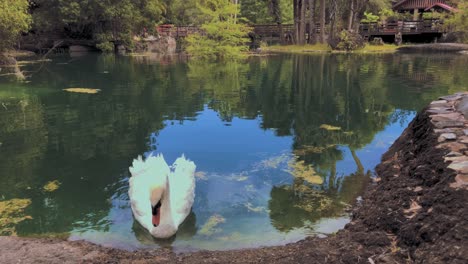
(350, 41)
(101, 20)
(458, 22)
(370, 18)
(14, 19)
(223, 37)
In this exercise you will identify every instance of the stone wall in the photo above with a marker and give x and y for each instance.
(449, 115)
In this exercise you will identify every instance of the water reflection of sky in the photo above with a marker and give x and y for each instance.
(243, 130)
(234, 184)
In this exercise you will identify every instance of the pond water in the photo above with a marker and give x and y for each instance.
(284, 145)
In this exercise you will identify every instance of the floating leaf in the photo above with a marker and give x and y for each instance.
(209, 228)
(82, 90)
(51, 186)
(12, 213)
(330, 127)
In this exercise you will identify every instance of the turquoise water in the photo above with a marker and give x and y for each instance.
(284, 145)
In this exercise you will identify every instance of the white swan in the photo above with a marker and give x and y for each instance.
(161, 197)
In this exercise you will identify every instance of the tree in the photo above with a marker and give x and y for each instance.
(14, 19)
(458, 22)
(222, 36)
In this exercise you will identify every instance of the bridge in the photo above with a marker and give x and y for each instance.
(272, 32)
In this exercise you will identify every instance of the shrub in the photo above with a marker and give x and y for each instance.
(349, 41)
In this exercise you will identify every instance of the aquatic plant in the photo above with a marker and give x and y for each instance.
(12, 213)
(209, 228)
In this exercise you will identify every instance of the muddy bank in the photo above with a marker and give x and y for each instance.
(435, 47)
(414, 212)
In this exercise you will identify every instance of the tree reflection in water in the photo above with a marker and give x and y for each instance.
(87, 142)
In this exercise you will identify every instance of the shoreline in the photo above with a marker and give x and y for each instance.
(413, 212)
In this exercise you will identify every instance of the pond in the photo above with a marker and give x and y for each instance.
(284, 145)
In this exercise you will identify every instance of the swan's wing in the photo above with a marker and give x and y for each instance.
(146, 175)
(140, 202)
(182, 189)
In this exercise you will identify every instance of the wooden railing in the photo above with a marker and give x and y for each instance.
(269, 30)
(403, 27)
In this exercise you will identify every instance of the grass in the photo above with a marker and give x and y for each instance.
(378, 49)
(324, 48)
(298, 48)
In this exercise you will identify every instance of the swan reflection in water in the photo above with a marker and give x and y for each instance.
(186, 231)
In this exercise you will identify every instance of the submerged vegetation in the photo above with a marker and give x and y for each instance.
(12, 213)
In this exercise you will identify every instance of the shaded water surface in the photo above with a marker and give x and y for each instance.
(283, 144)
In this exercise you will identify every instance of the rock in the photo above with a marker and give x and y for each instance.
(445, 130)
(457, 159)
(461, 181)
(465, 131)
(454, 154)
(439, 111)
(80, 48)
(458, 166)
(448, 117)
(463, 139)
(462, 106)
(445, 124)
(439, 102)
(452, 146)
(447, 136)
(450, 98)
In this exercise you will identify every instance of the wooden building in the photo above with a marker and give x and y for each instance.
(417, 7)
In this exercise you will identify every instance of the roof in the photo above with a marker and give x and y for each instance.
(422, 4)
(443, 6)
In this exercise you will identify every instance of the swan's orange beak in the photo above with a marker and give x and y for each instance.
(156, 217)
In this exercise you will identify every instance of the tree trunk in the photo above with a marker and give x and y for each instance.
(351, 15)
(302, 23)
(296, 20)
(312, 31)
(322, 21)
(275, 11)
(333, 16)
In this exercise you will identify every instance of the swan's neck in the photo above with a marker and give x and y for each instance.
(166, 227)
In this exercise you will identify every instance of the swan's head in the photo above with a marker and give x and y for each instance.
(157, 193)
